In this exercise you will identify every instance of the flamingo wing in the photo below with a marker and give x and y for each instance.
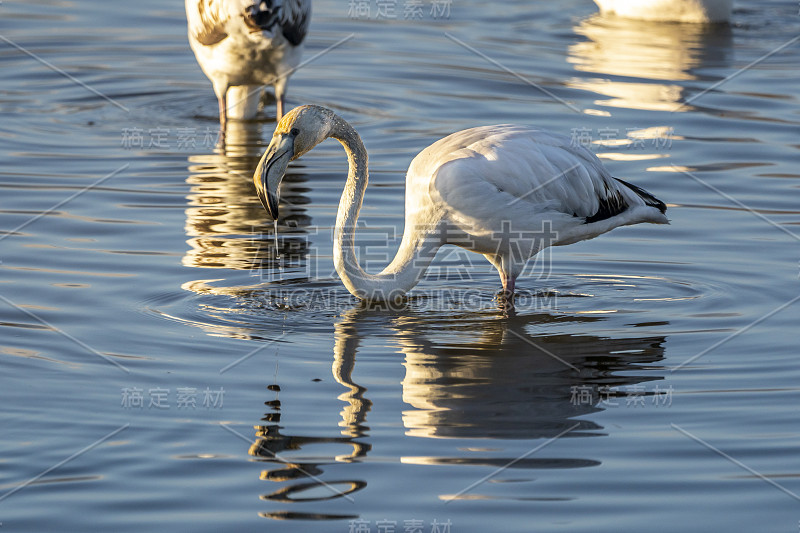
(487, 175)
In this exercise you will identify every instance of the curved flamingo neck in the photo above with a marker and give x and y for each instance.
(417, 248)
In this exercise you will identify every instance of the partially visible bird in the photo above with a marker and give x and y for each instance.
(669, 10)
(242, 45)
(503, 191)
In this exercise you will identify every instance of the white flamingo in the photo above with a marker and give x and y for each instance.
(502, 191)
(699, 11)
(242, 45)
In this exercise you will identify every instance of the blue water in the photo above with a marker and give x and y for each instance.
(166, 367)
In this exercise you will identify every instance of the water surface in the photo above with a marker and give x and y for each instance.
(165, 366)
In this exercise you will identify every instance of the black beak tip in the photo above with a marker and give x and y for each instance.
(269, 201)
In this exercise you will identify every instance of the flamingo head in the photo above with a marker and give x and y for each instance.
(300, 130)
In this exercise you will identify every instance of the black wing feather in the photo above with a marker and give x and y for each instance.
(264, 14)
(614, 202)
(295, 30)
(648, 198)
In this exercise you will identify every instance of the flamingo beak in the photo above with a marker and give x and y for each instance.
(271, 170)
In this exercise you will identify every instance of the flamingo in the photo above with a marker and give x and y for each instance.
(244, 44)
(503, 191)
(702, 11)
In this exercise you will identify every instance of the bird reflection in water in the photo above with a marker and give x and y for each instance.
(489, 378)
(478, 378)
(647, 65)
(301, 478)
(224, 220)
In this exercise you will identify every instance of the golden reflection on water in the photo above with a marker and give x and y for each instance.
(226, 225)
(638, 65)
(354, 414)
(493, 379)
(490, 378)
(482, 375)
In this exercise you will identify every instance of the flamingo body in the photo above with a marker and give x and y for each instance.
(528, 186)
(503, 191)
(242, 45)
